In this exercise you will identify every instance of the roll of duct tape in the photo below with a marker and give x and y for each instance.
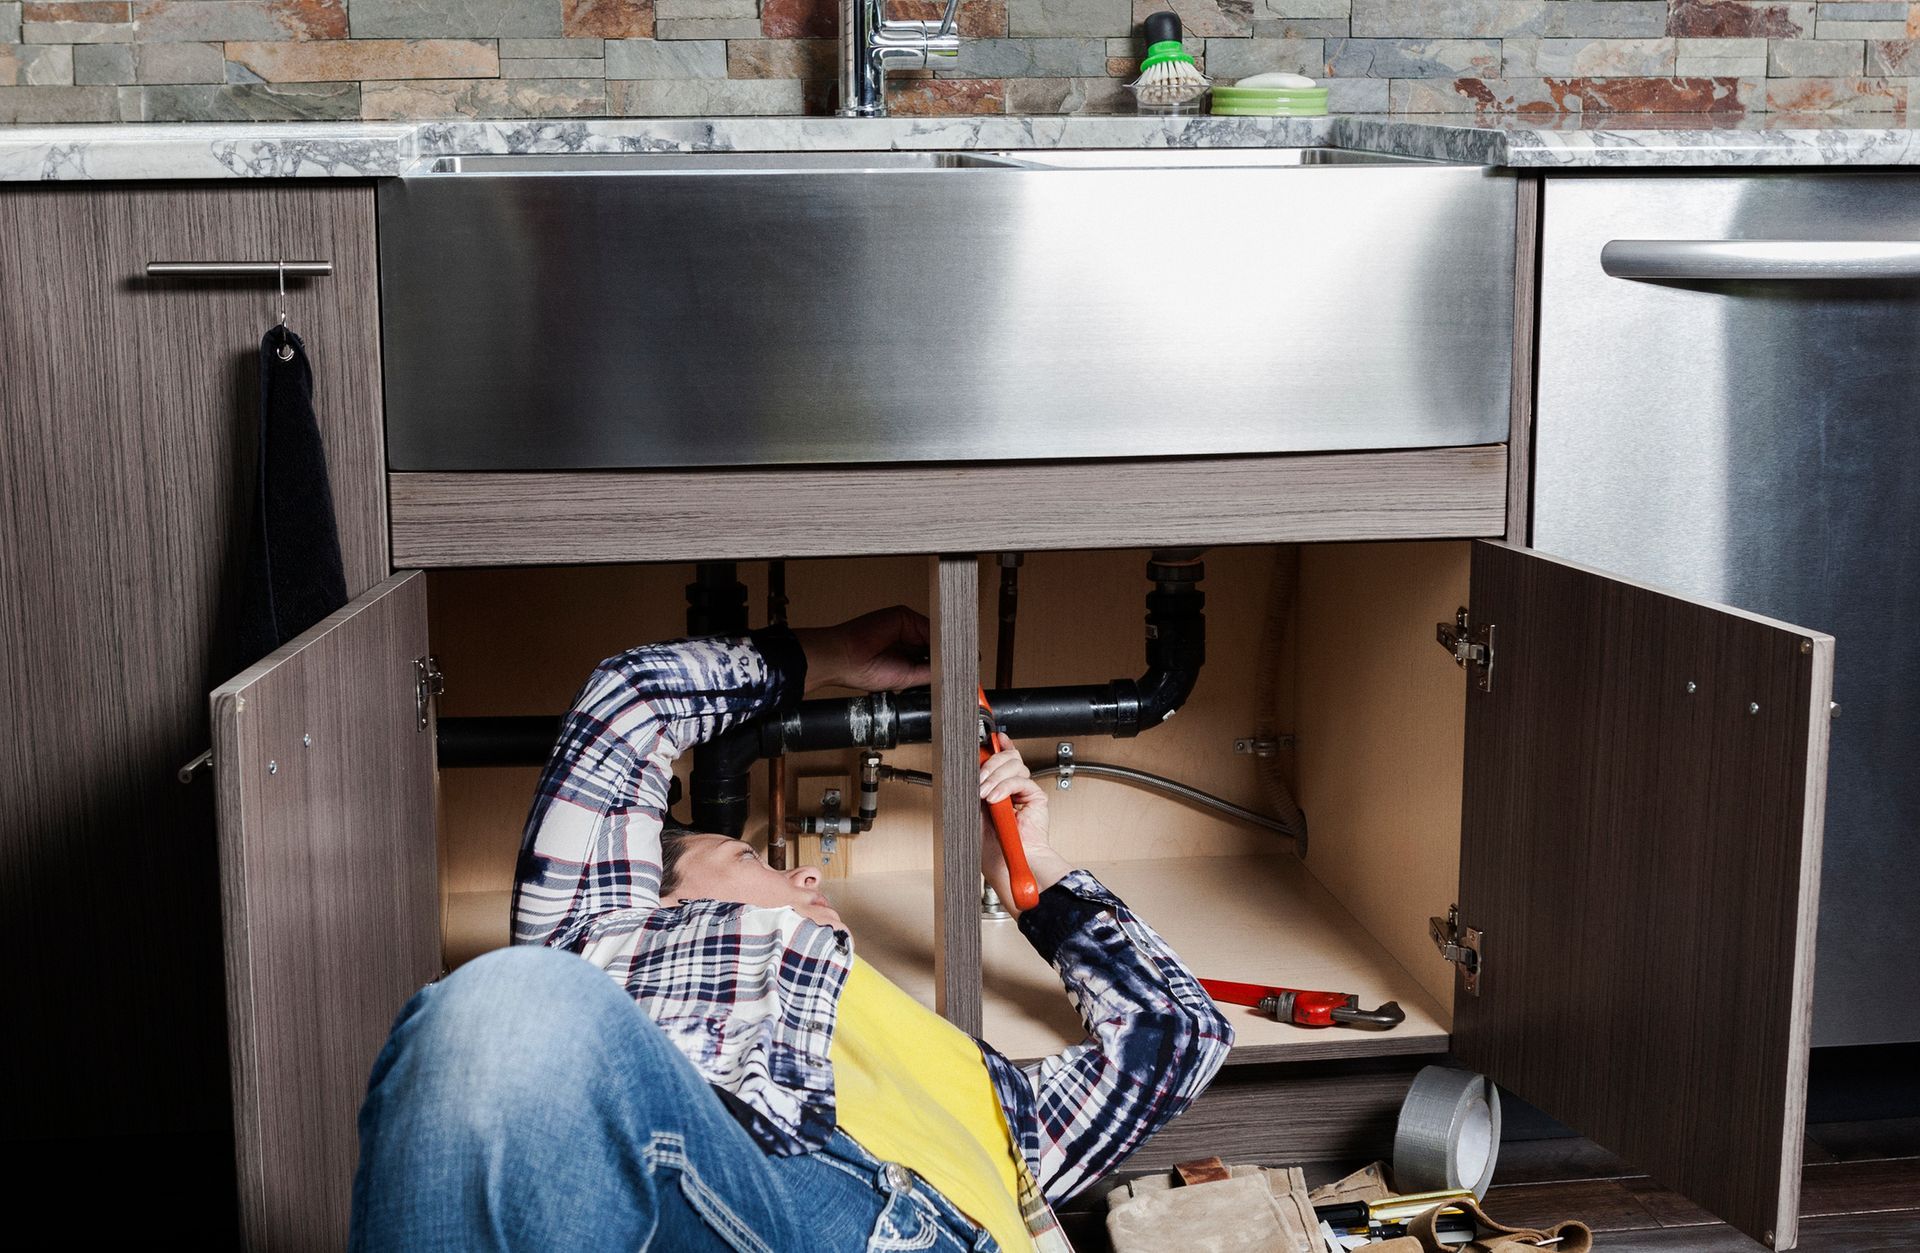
(1449, 1132)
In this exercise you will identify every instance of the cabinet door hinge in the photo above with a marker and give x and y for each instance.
(1471, 646)
(1459, 945)
(428, 683)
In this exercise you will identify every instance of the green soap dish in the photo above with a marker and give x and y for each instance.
(1229, 109)
(1265, 95)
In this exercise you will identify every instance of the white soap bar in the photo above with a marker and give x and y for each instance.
(1276, 79)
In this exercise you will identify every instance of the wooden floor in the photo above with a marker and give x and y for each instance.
(1860, 1194)
(1860, 1191)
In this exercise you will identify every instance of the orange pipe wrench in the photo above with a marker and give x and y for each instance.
(1026, 893)
(1305, 1008)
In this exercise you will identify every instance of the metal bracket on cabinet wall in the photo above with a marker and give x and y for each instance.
(428, 683)
(1459, 945)
(1472, 647)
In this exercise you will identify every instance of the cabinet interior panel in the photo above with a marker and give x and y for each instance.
(1378, 711)
(476, 923)
(1256, 919)
(1382, 712)
(1081, 617)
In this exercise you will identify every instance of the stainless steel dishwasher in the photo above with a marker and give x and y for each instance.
(1729, 405)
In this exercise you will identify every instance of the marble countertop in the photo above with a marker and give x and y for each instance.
(372, 149)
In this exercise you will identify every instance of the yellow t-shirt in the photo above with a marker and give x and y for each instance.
(912, 1089)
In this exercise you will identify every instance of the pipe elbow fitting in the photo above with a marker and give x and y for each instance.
(1176, 636)
(1162, 692)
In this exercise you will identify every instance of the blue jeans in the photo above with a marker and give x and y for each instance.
(525, 1102)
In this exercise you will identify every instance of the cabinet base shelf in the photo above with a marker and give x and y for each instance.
(1261, 919)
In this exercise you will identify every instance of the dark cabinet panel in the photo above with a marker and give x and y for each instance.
(329, 870)
(127, 413)
(1640, 851)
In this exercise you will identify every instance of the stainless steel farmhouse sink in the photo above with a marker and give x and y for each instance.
(655, 309)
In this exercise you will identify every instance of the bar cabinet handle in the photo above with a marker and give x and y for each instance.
(1726, 260)
(237, 269)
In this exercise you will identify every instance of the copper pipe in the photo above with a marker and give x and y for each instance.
(777, 812)
(777, 766)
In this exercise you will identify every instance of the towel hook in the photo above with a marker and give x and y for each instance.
(285, 350)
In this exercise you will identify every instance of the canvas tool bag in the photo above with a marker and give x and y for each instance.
(1251, 1210)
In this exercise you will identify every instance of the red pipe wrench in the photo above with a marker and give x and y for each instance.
(1026, 893)
(1303, 1008)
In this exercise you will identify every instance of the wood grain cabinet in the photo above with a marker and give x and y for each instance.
(127, 418)
(1624, 804)
(1622, 792)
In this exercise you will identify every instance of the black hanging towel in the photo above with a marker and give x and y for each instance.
(293, 575)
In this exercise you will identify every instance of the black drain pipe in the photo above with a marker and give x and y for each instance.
(1010, 564)
(716, 600)
(1176, 649)
(717, 605)
(1176, 633)
(777, 766)
(480, 742)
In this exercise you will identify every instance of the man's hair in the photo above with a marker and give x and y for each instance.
(673, 843)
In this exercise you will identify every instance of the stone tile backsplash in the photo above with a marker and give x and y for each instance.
(221, 60)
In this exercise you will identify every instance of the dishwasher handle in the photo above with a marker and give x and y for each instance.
(1727, 260)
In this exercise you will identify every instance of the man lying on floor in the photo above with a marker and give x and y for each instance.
(774, 1093)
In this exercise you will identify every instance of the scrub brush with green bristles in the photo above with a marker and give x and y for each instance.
(1168, 74)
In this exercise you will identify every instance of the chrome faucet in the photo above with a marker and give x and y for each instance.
(871, 43)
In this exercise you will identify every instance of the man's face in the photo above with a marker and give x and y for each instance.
(714, 867)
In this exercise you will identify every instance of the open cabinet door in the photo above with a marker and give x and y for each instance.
(1640, 854)
(329, 868)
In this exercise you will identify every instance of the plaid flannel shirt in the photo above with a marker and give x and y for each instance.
(748, 994)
